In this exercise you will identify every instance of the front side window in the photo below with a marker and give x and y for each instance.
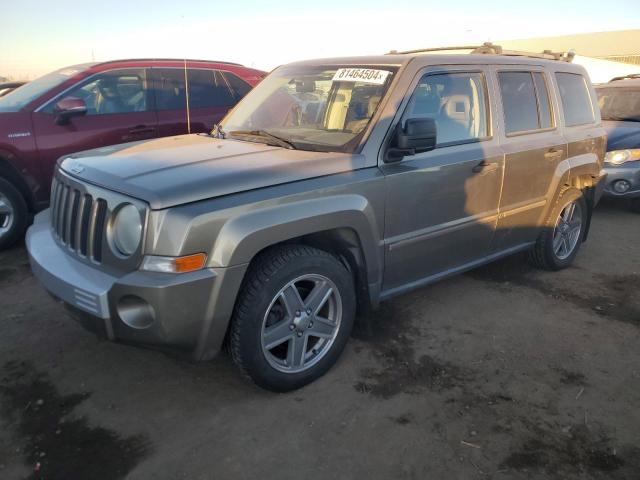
(576, 102)
(117, 91)
(619, 103)
(324, 108)
(457, 103)
(36, 88)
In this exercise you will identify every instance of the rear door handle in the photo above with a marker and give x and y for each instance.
(485, 167)
(553, 153)
(140, 129)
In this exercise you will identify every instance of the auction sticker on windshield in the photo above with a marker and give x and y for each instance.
(363, 75)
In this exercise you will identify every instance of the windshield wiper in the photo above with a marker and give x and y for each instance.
(279, 141)
(612, 118)
(217, 131)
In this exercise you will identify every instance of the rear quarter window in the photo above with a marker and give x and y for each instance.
(576, 101)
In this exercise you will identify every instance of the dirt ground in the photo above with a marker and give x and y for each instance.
(502, 373)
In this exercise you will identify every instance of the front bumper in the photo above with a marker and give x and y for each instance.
(186, 312)
(629, 172)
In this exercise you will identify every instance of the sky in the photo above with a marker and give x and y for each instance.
(36, 38)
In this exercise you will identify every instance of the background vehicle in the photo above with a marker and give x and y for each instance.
(95, 105)
(8, 87)
(619, 102)
(334, 184)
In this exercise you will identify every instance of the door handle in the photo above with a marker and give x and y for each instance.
(553, 153)
(140, 129)
(485, 167)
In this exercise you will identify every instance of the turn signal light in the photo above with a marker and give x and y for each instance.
(190, 263)
(185, 264)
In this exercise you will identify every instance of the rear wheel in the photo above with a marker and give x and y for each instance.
(293, 317)
(562, 236)
(13, 214)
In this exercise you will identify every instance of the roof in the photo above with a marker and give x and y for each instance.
(440, 58)
(188, 60)
(622, 82)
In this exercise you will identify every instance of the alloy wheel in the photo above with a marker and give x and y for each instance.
(301, 323)
(7, 215)
(566, 233)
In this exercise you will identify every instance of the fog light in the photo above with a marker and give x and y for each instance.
(621, 186)
(135, 312)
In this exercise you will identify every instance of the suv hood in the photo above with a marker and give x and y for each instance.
(175, 170)
(622, 135)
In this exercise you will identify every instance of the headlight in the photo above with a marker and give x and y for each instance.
(127, 230)
(618, 157)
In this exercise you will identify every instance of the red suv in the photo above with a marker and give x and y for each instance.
(94, 105)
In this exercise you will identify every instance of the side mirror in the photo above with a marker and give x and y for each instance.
(417, 135)
(69, 107)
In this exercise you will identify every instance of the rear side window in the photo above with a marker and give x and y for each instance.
(576, 101)
(544, 105)
(240, 87)
(456, 101)
(170, 90)
(525, 101)
(207, 89)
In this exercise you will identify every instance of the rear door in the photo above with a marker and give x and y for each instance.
(209, 93)
(535, 150)
(442, 205)
(119, 109)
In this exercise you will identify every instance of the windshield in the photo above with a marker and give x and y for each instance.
(22, 96)
(310, 108)
(619, 103)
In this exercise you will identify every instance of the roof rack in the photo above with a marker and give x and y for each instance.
(165, 60)
(488, 48)
(625, 77)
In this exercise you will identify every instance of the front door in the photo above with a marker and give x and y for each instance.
(119, 110)
(442, 205)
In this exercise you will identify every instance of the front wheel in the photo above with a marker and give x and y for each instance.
(293, 317)
(563, 233)
(13, 214)
(635, 205)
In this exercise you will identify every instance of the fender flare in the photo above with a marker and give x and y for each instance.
(243, 237)
(9, 172)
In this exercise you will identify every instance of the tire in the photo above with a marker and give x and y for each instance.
(292, 292)
(14, 214)
(548, 254)
(635, 205)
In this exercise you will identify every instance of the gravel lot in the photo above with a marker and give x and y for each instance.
(505, 372)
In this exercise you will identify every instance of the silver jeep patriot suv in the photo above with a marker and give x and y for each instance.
(335, 184)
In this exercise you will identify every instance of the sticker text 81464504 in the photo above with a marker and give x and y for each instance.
(363, 75)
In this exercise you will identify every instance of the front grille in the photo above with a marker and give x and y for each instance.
(78, 219)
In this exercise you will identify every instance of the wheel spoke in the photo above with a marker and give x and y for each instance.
(5, 208)
(318, 296)
(277, 334)
(568, 212)
(557, 243)
(297, 350)
(573, 235)
(322, 327)
(291, 299)
(565, 245)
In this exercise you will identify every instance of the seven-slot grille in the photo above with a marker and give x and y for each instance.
(78, 219)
